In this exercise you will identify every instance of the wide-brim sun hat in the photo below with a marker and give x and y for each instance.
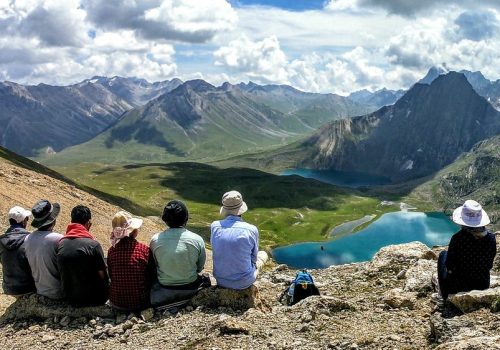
(233, 204)
(44, 213)
(126, 220)
(470, 214)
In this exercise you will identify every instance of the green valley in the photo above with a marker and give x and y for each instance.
(285, 208)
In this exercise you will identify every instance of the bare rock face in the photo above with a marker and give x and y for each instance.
(396, 257)
(35, 306)
(215, 297)
(476, 299)
(397, 298)
(419, 277)
(473, 343)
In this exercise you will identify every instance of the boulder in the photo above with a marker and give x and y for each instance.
(475, 299)
(36, 306)
(397, 298)
(233, 326)
(215, 297)
(419, 277)
(473, 343)
(451, 329)
(397, 257)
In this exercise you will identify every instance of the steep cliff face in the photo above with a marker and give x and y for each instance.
(476, 175)
(423, 132)
(36, 117)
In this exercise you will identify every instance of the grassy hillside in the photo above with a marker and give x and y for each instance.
(286, 209)
(41, 169)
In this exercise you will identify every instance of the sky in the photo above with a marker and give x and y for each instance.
(335, 46)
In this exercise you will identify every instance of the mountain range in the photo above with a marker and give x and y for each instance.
(55, 117)
(424, 131)
(198, 120)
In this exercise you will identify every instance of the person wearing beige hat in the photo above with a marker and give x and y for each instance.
(235, 245)
(467, 263)
(130, 264)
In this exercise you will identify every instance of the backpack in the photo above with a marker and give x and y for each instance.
(301, 287)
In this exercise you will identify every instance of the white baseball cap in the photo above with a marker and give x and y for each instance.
(19, 214)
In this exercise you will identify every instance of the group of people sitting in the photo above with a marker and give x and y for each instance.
(134, 276)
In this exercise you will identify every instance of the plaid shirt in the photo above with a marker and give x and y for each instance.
(131, 270)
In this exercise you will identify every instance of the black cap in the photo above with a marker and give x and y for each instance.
(175, 214)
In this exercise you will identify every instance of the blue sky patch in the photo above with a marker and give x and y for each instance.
(292, 5)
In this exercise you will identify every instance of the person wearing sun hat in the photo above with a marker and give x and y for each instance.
(16, 271)
(235, 245)
(130, 264)
(81, 262)
(41, 249)
(467, 263)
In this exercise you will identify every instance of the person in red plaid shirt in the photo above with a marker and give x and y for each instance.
(130, 264)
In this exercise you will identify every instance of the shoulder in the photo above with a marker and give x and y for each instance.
(215, 224)
(154, 238)
(193, 236)
(249, 227)
(491, 237)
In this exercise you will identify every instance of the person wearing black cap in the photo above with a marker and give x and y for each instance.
(179, 255)
(41, 249)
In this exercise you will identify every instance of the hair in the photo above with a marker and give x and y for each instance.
(80, 215)
(13, 222)
(47, 227)
(175, 214)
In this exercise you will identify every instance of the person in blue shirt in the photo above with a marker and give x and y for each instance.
(235, 245)
(467, 263)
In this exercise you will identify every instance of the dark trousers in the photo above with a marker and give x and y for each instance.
(164, 295)
(443, 277)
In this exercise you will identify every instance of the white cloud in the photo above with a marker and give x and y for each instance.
(182, 20)
(263, 59)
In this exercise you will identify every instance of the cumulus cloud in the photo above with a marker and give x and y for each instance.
(477, 25)
(450, 40)
(258, 59)
(413, 7)
(264, 62)
(182, 20)
(53, 22)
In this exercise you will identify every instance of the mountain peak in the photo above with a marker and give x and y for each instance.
(198, 85)
(432, 74)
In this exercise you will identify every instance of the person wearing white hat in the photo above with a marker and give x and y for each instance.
(235, 245)
(17, 278)
(467, 263)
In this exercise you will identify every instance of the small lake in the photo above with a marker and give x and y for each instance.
(391, 228)
(339, 178)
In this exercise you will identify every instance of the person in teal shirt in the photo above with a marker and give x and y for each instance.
(180, 257)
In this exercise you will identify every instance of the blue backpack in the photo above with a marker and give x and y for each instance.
(301, 287)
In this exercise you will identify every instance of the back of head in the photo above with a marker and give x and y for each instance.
(175, 214)
(80, 215)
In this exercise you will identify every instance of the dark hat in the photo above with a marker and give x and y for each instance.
(44, 213)
(175, 214)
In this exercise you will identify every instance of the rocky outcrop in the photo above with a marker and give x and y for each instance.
(360, 307)
(476, 299)
(35, 306)
(397, 298)
(474, 343)
(397, 257)
(419, 277)
(215, 297)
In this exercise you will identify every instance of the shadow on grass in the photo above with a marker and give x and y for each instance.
(204, 183)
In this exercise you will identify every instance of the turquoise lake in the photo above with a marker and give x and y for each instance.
(339, 178)
(391, 228)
